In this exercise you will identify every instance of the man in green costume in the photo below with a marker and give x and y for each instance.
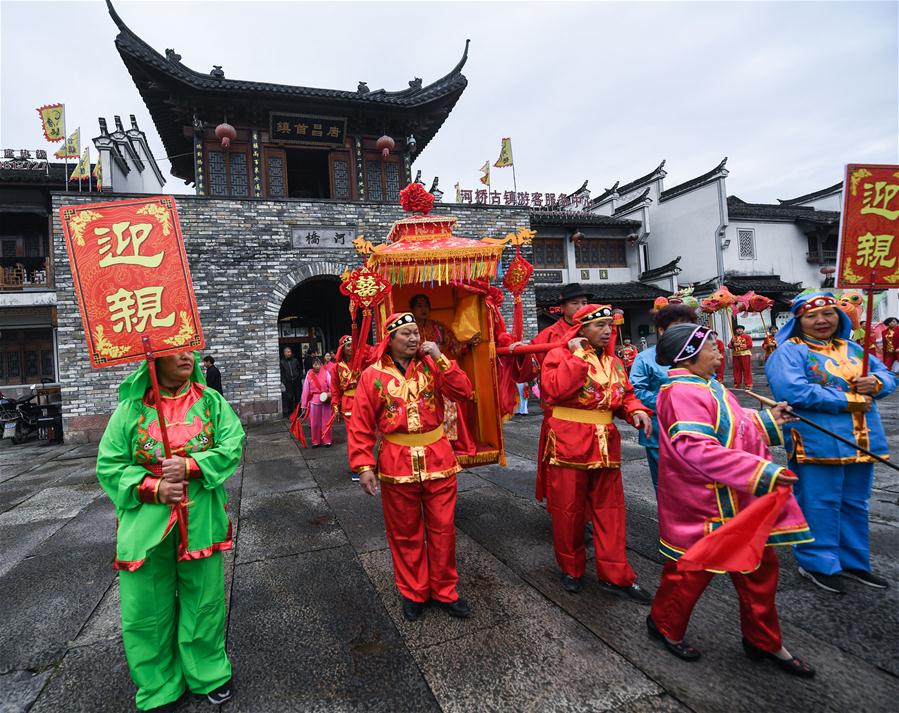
(172, 529)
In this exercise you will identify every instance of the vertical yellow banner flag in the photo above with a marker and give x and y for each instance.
(485, 169)
(83, 167)
(53, 121)
(98, 174)
(72, 146)
(505, 154)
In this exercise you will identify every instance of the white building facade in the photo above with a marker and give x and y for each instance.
(775, 249)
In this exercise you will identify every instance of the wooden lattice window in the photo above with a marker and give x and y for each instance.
(601, 253)
(746, 244)
(549, 253)
(383, 180)
(227, 171)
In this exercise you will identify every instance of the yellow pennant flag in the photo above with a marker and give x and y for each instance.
(83, 167)
(98, 174)
(53, 119)
(72, 146)
(485, 179)
(505, 154)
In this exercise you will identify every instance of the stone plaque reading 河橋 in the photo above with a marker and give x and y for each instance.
(323, 236)
(307, 129)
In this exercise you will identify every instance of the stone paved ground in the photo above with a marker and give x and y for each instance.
(315, 621)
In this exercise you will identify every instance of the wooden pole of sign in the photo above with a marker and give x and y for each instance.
(157, 401)
(771, 402)
(157, 398)
(869, 327)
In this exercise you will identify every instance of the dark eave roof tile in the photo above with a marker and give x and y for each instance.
(643, 180)
(575, 218)
(614, 292)
(740, 210)
(686, 186)
(837, 187)
(630, 205)
(655, 273)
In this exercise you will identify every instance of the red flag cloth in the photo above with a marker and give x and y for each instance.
(296, 426)
(738, 545)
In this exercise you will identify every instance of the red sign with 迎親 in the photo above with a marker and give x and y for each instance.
(131, 278)
(869, 237)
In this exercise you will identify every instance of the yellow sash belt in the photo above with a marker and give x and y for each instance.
(415, 439)
(349, 392)
(581, 415)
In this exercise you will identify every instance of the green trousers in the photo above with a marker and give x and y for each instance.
(173, 625)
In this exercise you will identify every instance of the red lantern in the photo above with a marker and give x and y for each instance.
(226, 133)
(385, 145)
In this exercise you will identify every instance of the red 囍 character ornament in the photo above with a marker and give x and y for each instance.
(365, 288)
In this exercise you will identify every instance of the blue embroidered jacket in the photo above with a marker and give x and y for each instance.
(814, 377)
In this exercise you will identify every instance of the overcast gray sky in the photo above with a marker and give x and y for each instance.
(589, 90)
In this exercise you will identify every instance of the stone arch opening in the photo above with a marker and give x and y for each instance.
(314, 314)
(305, 308)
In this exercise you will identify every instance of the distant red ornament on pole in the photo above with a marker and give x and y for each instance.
(385, 145)
(225, 132)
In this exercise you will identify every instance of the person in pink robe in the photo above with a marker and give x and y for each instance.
(714, 461)
(318, 382)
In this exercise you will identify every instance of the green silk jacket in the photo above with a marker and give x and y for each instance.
(202, 427)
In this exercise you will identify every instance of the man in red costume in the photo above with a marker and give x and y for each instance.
(769, 343)
(345, 380)
(628, 354)
(741, 350)
(401, 396)
(719, 373)
(579, 466)
(890, 341)
(572, 298)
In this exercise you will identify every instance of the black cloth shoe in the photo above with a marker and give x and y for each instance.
(682, 650)
(793, 666)
(571, 584)
(458, 609)
(866, 578)
(634, 592)
(222, 694)
(412, 611)
(827, 582)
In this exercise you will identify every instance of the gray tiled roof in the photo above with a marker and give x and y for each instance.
(162, 79)
(614, 292)
(740, 210)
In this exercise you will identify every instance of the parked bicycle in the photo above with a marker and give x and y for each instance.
(33, 421)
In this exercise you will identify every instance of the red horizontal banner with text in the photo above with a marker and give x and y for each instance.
(869, 246)
(131, 278)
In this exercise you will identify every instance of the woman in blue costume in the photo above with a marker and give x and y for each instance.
(817, 369)
(647, 377)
